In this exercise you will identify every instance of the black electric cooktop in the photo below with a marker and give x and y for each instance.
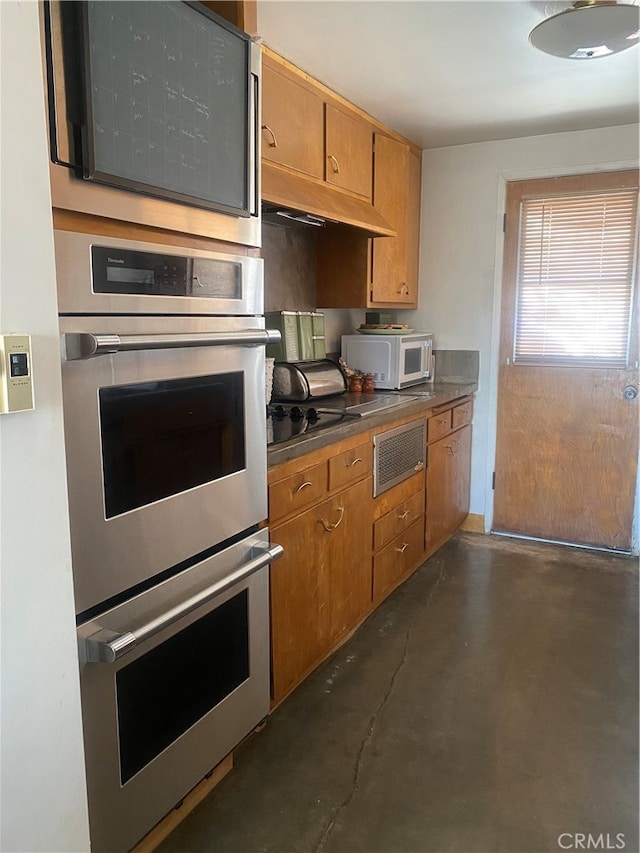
(288, 420)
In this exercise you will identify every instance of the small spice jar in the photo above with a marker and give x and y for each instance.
(368, 385)
(355, 384)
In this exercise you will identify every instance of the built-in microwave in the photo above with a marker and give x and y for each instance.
(395, 360)
(154, 115)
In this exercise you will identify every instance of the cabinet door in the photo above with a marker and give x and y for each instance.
(390, 192)
(292, 123)
(321, 587)
(448, 480)
(350, 557)
(413, 211)
(349, 151)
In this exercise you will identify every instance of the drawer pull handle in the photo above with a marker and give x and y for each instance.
(355, 462)
(301, 487)
(443, 422)
(403, 515)
(330, 527)
(334, 164)
(452, 448)
(403, 288)
(403, 548)
(274, 142)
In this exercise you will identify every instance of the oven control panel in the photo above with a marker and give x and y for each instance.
(16, 387)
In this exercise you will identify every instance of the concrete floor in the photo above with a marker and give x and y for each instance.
(491, 704)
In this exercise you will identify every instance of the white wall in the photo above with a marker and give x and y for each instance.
(461, 250)
(42, 800)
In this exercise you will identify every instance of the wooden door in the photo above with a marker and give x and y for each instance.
(292, 122)
(349, 152)
(567, 437)
(390, 192)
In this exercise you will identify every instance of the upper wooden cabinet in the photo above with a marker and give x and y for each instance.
(303, 129)
(359, 272)
(292, 122)
(389, 266)
(327, 157)
(349, 151)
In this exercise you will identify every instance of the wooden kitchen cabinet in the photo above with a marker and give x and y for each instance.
(448, 473)
(389, 273)
(356, 271)
(349, 151)
(292, 121)
(398, 534)
(303, 130)
(321, 587)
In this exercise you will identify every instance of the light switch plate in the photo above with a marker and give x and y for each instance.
(16, 388)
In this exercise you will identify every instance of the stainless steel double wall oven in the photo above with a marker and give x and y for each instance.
(164, 408)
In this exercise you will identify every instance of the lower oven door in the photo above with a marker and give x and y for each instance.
(171, 681)
(165, 436)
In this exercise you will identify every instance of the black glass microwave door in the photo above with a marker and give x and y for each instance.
(412, 360)
(162, 438)
(163, 693)
(167, 102)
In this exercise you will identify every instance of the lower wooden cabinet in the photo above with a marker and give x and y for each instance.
(448, 482)
(346, 551)
(397, 559)
(321, 587)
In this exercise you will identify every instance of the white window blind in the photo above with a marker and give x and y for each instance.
(576, 263)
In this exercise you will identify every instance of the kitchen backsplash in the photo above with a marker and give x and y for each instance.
(456, 365)
(290, 254)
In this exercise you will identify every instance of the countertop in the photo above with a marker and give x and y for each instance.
(423, 397)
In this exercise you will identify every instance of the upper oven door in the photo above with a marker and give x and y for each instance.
(166, 443)
(107, 275)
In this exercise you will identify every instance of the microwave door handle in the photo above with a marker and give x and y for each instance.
(425, 358)
(106, 646)
(82, 345)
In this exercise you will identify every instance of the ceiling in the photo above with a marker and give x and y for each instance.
(448, 72)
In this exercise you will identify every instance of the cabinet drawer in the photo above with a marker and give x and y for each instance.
(400, 556)
(297, 491)
(350, 465)
(461, 415)
(397, 520)
(439, 425)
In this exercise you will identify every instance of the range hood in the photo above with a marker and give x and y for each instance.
(311, 202)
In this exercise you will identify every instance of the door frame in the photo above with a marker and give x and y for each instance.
(503, 178)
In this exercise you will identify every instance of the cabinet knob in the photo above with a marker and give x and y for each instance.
(274, 142)
(334, 164)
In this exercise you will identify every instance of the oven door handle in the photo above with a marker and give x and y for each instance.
(79, 345)
(106, 646)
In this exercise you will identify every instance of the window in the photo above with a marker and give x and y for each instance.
(575, 276)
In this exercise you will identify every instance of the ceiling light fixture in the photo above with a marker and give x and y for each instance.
(588, 29)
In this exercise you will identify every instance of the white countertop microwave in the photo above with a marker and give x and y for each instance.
(395, 360)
